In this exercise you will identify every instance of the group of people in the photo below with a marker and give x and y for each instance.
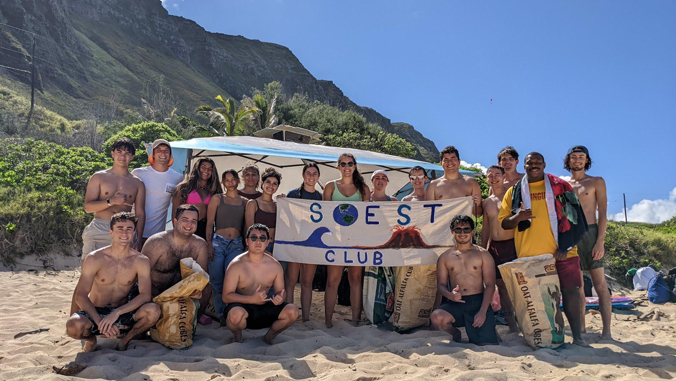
(129, 258)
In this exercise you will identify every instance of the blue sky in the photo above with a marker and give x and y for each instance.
(560, 73)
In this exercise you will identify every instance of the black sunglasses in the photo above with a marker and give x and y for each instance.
(462, 230)
(350, 164)
(255, 238)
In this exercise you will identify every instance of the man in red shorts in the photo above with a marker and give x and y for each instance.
(498, 241)
(534, 208)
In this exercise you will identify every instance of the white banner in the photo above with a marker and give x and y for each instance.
(365, 233)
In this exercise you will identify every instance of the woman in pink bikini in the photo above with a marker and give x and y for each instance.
(197, 189)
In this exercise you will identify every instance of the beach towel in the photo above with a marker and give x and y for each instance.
(176, 327)
(566, 216)
(378, 294)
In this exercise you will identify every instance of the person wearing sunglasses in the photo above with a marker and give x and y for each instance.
(248, 280)
(351, 187)
(471, 272)
(418, 178)
(307, 271)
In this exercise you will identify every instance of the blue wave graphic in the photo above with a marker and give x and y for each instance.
(314, 240)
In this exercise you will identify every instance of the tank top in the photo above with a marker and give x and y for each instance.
(388, 198)
(194, 198)
(268, 219)
(230, 216)
(337, 196)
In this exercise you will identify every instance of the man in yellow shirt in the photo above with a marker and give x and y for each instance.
(535, 235)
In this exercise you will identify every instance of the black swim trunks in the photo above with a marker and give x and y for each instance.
(463, 313)
(260, 316)
(124, 323)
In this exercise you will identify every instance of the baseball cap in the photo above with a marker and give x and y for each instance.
(582, 149)
(379, 172)
(157, 143)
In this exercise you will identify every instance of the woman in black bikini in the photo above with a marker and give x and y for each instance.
(263, 210)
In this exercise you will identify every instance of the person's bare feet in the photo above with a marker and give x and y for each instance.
(89, 344)
(123, 344)
(580, 342)
(457, 336)
(237, 337)
(607, 337)
(354, 323)
(267, 339)
(329, 323)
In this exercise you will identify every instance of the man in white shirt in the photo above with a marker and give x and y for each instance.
(160, 181)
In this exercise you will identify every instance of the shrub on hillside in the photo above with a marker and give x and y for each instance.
(42, 188)
(636, 245)
(30, 164)
(139, 134)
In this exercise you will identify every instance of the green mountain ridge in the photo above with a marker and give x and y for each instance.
(102, 52)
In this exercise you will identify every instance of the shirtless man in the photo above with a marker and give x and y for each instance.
(247, 282)
(166, 249)
(454, 184)
(499, 242)
(508, 159)
(471, 272)
(418, 177)
(112, 191)
(104, 291)
(592, 194)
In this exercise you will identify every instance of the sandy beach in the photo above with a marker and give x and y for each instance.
(34, 307)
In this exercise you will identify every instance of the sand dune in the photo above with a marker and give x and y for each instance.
(34, 307)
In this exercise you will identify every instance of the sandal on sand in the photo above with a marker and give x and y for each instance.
(205, 320)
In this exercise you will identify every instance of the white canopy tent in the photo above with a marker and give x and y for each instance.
(288, 158)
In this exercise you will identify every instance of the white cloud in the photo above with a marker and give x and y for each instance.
(651, 211)
(567, 178)
(475, 165)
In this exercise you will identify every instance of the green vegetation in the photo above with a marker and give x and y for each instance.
(228, 120)
(342, 128)
(42, 189)
(639, 245)
(139, 134)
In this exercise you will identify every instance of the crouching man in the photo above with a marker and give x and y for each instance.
(471, 272)
(247, 281)
(111, 307)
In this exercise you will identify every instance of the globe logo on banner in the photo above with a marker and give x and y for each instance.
(345, 214)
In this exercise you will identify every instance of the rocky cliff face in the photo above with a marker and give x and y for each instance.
(98, 49)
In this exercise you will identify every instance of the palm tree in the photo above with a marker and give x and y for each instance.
(227, 120)
(266, 117)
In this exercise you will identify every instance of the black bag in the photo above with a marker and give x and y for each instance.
(319, 281)
(344, 290)
(587, 285)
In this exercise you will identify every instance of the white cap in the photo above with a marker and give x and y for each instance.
(379, 172)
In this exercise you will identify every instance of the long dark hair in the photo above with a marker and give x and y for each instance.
(357, 178)
(190, 184)
(309, 164)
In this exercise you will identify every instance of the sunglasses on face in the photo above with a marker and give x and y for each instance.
(462, 230)
(255, 238)
(419, 177)
(350, 164)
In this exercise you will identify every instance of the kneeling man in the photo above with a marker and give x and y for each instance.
(104, 292)
(248, 279)
(166, 249)
(471, 272)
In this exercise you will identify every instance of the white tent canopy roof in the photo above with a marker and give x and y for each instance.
(288, 158)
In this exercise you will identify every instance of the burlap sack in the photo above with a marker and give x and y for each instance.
(414, 293)
(176, 327)
(378, 292)
(533, 287)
